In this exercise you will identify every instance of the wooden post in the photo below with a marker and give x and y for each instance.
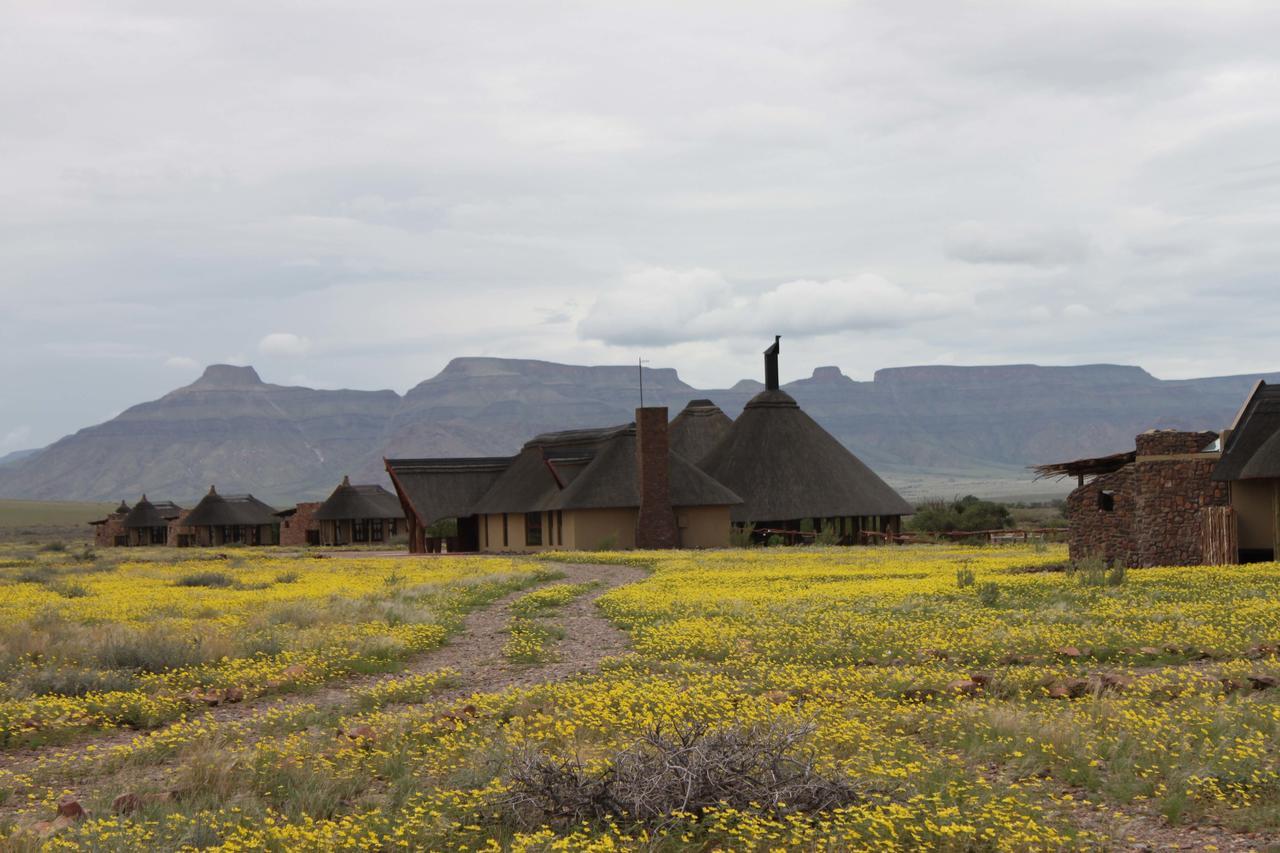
(1220, 539)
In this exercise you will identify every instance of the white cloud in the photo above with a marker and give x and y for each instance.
(985, 243)
(18, 438)
(284, 343)
(181, 362)
(662, 306)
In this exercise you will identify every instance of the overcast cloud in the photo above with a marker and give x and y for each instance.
(353, 193)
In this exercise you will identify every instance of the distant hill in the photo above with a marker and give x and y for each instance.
(926, 429)
(10, 458)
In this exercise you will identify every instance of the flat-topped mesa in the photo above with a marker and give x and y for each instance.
(473, 368)
(228, 376)
(977, 375)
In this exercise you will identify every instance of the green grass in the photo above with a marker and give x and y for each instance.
(15, 513)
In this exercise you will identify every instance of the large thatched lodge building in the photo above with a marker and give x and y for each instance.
(1183, 498)
(654, 484)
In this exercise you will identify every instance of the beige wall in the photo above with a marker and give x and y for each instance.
(592, 528)
(589, 529)
(1253, 501)
(704, 527)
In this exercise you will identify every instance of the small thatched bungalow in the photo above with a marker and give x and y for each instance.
(359, 514)
(109, 532)
(792, 473)
(697, 429)
(228, 520)
(148, 523)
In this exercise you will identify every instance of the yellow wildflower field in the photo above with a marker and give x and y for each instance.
(938, 697)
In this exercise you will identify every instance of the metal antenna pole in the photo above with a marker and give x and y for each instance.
(640, 373)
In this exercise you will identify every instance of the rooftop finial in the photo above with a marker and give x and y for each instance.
(346, 480)
(212, 490)
(771, 365)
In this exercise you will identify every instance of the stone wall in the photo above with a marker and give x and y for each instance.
(1158, 503)
(106, 534)
(293, 530)
(1172, 483)
(1101, 533)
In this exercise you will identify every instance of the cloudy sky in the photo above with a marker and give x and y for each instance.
(348, 194)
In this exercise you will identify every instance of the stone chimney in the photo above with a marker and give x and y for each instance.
(656, 521)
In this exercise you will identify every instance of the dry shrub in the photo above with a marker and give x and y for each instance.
(676, 770)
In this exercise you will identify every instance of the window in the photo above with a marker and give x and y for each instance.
(533, 528)
(505, 541)
(559, 527)
(360, 531)
(159, 535)
(375, 530)
(1107, 501)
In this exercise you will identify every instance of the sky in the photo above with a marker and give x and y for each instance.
(349, 194)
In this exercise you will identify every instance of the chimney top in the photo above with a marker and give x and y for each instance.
(771, 364)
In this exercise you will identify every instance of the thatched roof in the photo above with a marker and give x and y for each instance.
(1085, 467)
(1252, 448)
(436, 489)
(697, 429)
(592, 469)
(215, 510)
(785, 466)
(148, 514)
(357, 502)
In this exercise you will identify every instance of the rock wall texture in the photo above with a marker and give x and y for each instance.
(1097, 532)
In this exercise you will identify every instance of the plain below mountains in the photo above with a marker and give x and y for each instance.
(927, 430)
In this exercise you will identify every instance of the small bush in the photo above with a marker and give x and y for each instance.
(74, 682)
(964, 577)
(775, 541)
(208, 579)
(1116, 575)
(287, 577)
(828, 535)
(1091, 571)
(69, 589)
(608, 543)
(741, 537)
(58, 547)
(687, 768)
(37, 574)
(395, 580)
(988, 593)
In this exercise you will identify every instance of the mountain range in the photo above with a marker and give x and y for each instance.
(927, 430)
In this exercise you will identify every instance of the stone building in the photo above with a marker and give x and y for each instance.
(109, 532)
(1182, 498)
(298, 525)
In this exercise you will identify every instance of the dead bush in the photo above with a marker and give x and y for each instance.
(673, 770)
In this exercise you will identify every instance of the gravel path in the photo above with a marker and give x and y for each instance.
(475, 651)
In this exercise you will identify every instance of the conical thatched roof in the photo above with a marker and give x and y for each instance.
(215, 510)
(697, 428)
(785, 466)
(350, 502)
(147, 514)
